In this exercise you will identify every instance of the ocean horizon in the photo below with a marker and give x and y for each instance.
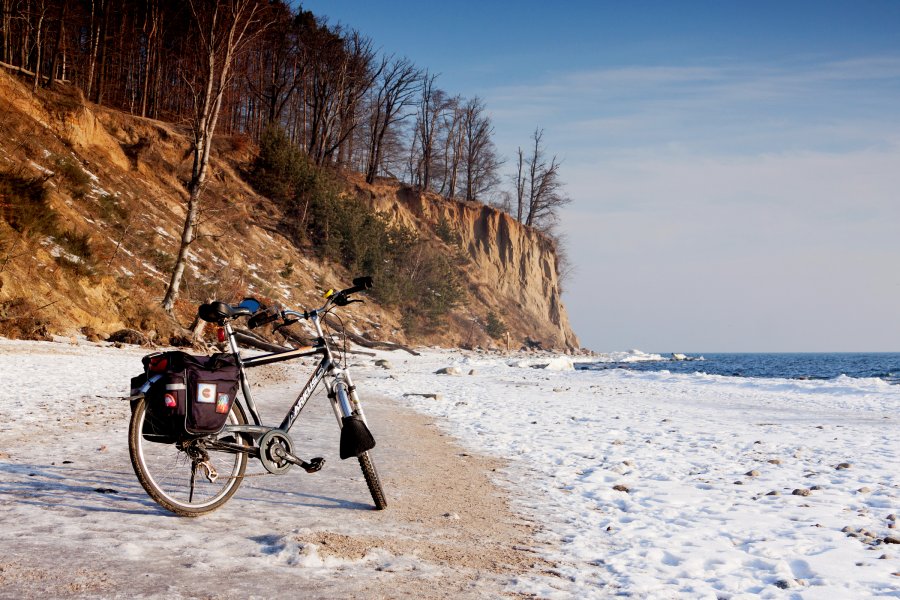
(764, 365)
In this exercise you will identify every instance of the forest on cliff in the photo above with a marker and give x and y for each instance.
(335, 95)
(284, 106)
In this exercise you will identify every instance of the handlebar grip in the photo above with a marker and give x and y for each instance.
(360, 284)
(262, 317)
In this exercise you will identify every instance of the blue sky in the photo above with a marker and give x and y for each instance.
(734, 166)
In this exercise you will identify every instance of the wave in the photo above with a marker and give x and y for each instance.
(796, 367)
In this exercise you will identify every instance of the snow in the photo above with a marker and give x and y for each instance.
(692, 523)
(688, 519)
(161, 231)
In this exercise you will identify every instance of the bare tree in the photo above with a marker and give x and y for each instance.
(520, 184)
(481, 160)
(452, 146)
(5, 29)
(41, 9)
(398, 82)
(59, 45)
(431, 105)
(539, 189)
(152, 30)
(223, 28)
(277, 65)
(97, 31)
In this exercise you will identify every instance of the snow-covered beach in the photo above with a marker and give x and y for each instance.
(617, 483)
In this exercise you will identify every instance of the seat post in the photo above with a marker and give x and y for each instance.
(232, 342)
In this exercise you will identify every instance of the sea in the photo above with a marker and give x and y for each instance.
(825, 365)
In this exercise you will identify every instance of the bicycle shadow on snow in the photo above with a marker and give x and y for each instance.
(98, 490)
(282, 497)
(67, 486)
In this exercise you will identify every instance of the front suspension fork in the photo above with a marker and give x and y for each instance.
(344, 399)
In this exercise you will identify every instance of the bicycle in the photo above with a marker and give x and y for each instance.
(198, 474)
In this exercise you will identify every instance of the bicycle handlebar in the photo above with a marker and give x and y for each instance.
(341, 298)
(219, 312)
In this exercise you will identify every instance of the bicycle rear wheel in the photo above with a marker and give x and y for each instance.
(171, 473)
(368, 468)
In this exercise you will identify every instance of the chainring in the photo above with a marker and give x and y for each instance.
(268, 443)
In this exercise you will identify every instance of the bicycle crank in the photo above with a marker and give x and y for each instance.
(276, 453)
(312, 466)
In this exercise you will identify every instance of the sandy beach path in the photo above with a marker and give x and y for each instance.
(86, 528)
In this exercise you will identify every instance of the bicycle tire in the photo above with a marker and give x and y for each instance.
(372, 480)
(164, 470)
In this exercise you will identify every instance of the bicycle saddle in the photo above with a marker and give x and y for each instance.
(217, 312)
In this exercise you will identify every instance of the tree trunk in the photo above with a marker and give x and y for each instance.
(26, 38)
(5, 24)
(187, 236)
(57, 49)
(204, 130)
(151, 22)
(520, 185)
(39, 48)
(215, 77)
(101, 77)
(97, 7)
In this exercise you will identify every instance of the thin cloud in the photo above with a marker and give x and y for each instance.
(728, 108)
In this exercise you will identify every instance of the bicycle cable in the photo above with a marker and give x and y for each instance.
(343, 334)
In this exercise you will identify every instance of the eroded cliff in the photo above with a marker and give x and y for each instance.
(115, 185)
(512, 270)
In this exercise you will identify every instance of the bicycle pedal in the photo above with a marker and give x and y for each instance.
(314, 465)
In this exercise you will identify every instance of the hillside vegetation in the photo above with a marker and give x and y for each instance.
(93, 200)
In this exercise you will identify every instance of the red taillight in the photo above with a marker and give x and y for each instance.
(220, 333)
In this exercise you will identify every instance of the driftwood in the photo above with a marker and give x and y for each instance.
(366, 343)
(293, 337)
(249, 338)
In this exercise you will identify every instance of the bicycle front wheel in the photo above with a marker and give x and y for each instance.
(368, 468)
(179, 476)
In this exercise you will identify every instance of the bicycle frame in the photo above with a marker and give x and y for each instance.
(341, 391)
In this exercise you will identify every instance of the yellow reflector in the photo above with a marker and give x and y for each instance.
(329, 293)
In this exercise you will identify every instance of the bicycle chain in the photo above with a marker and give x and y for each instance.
(246, 475)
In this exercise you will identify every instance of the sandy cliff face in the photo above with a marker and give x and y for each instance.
(130, 207)
(512, 271)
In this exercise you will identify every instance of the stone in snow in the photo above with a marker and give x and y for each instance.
(449, 371)
(560, 363)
